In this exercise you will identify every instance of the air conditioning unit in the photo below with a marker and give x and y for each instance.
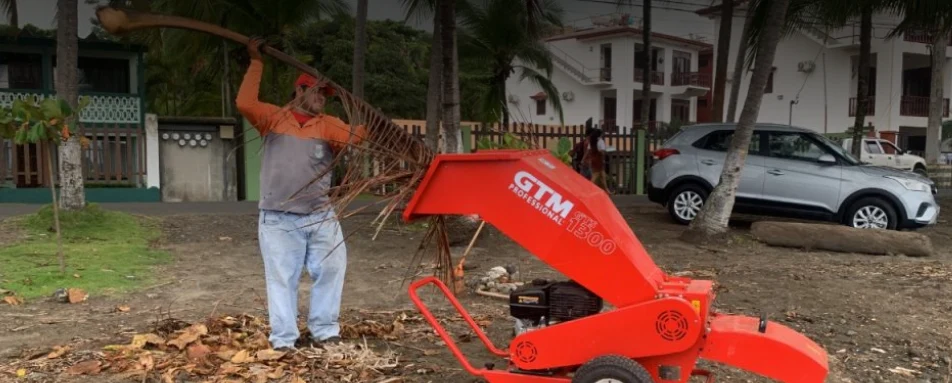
(568, 96)
(806, 66)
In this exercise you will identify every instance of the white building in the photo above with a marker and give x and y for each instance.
(813, 84)
(598, 73)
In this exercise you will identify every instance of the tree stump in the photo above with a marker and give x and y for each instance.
(841, 238)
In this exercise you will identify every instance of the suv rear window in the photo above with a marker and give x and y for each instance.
(720, 141)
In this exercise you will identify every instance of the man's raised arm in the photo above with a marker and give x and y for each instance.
(259, 114)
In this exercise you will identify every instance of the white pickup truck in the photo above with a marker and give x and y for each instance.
(880, 152)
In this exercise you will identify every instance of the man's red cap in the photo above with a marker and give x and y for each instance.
(309, 81)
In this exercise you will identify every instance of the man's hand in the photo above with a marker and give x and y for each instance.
(254, 48)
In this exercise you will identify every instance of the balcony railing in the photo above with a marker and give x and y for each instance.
(920, 37)
(104, 108)
(657, 78)
(702, 80)
(917, 106)
(870, 107)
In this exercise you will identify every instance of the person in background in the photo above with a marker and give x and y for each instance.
(578, 154)
(595, 158)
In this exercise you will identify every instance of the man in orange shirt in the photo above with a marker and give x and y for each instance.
(297, 229)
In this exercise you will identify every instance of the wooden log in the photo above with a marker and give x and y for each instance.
(842, 238)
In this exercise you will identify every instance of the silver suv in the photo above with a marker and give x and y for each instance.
(789, 172)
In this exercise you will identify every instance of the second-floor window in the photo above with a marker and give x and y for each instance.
(101, 75)
(21, 71)
(681, 62)
(540, 107)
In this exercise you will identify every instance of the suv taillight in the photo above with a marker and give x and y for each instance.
(661, 154)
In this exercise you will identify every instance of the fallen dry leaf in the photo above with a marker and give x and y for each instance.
(269, 354)
(21, 373)
(12, 300)
(77, 295)
(123, 308)
(89, 367)
(278, 373)
(147, 362)
(57, 352)
(225, 354)
(241, 357)
(197, 352)
(228, 368)
(141, 340)
(77, 276)
(191, 334)
(297, 379)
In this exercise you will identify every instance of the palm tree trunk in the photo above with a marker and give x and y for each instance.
(712, 220)
(646, 71)
(739, 65)
(505, 105)
(936, 96)
(862, 79)
(434, 87)
(723, 51)
(451, 114)
(72, 195)
(360, 49)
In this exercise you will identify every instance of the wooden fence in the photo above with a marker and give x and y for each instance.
(112, 156)
(624, 166)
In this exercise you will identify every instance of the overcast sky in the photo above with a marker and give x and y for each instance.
(674, 17)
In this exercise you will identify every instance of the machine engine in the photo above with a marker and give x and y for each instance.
(543, 303)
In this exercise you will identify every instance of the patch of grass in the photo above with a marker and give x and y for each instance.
(109, 252)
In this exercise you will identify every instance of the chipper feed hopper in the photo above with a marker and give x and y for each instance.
(661, 325)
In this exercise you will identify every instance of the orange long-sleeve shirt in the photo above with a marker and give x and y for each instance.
(294, 153)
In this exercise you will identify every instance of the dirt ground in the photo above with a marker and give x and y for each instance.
(881, 319)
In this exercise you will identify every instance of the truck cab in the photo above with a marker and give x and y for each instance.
(880, 152)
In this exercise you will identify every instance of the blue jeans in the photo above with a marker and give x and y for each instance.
(289, 243)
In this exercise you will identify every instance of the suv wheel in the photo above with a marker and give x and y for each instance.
(921, 170)
(872, 213)
(685, 202)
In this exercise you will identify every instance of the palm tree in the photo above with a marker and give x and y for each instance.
(360, 49)
(723, 51)
(712, 220)
(497, 33)
(435, 94)
(9, 8)
(934, 17)
(739, 66)
(421, 8)
(72, 194)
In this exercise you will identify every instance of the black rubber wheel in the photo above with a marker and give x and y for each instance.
(921, 170)
(872, 213)
(614, 367)
(682, 202)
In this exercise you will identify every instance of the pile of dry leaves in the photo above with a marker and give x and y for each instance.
(224, 349)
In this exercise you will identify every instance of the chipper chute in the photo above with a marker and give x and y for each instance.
(661, 324)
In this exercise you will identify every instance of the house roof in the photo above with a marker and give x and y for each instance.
(625, 30)
(715, 9)
(25, 36)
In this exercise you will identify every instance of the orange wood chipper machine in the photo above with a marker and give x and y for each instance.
(661, 325)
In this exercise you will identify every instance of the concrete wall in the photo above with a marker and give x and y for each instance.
(198, 161)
